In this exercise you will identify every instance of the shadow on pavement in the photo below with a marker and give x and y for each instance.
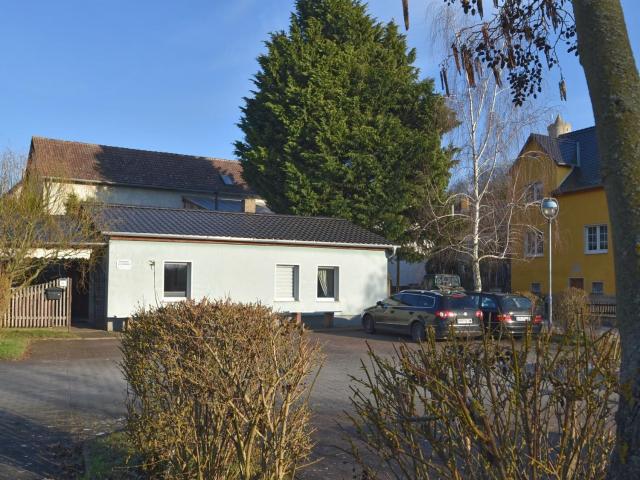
(30, 450)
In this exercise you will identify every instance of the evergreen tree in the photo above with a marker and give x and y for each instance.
(340, 124)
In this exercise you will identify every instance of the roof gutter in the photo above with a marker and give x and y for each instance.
(252, 240)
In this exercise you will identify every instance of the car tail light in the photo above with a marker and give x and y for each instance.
(537, 319)
(444, 314)
(504, 318)
(479, 314)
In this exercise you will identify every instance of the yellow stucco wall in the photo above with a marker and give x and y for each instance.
(577, 210)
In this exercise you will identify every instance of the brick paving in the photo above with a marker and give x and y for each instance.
(67, 391)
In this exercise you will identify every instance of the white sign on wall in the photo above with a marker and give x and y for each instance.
(123, 264)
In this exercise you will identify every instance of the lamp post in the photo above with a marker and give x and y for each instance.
(549, 208)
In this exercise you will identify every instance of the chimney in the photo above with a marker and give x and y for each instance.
(559, 127)
(249, 205)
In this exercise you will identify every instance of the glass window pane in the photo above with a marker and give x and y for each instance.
(409, 299)
(592, 243)
(229, 205)
(488, 302)
(516, 303)
(604, 240)
(176, 279)
(326, 282)
(461, 301)
(597, 288)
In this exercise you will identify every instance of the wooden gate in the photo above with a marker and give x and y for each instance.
(30, 308)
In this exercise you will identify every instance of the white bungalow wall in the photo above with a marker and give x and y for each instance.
(244, 273)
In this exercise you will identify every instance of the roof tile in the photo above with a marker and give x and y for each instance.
(149, 221)
(139, 168)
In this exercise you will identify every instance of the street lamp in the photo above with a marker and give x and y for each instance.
(549, 208)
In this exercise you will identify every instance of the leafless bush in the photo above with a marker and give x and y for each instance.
(31, 238)
(571, 308)
(218, 390)
(535, 409)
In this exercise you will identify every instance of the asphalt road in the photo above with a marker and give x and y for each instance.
(70, 390)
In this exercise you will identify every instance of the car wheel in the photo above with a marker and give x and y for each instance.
(368, 324)
(418, 333)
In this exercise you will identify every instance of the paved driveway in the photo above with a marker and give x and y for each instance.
(70, 390)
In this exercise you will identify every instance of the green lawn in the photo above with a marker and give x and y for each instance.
(15, 341)
(110, 457)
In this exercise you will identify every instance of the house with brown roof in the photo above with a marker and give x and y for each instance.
(179, 227)
(116, 175)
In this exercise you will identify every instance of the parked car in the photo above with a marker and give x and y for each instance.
(413, 311)
(508, 313)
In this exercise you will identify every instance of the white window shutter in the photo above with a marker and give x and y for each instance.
(286, 281)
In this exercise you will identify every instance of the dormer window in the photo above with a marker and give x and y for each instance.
(227, 179)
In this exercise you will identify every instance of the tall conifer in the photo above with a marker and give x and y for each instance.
(340, 123)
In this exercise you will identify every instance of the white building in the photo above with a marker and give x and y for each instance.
(126, 176)
(306, 265)
(186, 227)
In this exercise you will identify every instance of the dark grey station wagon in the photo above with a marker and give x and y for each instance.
(413, 311)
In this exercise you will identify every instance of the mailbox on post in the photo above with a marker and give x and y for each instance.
(53, 293)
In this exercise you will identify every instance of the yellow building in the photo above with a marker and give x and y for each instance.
(565, 165)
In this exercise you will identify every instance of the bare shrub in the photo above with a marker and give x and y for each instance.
(571, 309)
(534, 409)
(32, 239)
(218, 390)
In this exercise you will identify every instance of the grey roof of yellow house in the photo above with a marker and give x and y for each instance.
(129, 221)
(579, 150)
(102, 164)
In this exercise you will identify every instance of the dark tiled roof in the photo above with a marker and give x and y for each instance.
(138, 168)
(579, 150)
(149, 221)
(587, 173)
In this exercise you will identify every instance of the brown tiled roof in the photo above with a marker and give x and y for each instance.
(183, 223)
(93, 163)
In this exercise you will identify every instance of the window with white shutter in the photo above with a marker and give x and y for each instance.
(287, 282)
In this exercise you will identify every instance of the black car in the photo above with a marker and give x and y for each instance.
(413, 311)
(508, 313)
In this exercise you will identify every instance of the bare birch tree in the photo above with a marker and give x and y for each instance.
(479, 219)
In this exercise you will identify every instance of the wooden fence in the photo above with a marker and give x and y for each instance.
(29, 307)
(603, 309)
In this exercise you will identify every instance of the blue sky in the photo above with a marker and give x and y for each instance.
(170, 76)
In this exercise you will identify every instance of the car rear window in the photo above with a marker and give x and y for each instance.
(455, 302)
(516, 303)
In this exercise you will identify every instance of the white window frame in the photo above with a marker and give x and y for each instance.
(296, 283)
(189, 265)
(539, 236)
(598, 228)
(336, 283)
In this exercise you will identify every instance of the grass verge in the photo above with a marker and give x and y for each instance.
(15, 341)
(110, 457)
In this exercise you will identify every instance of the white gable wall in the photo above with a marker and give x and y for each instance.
(244, 273)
